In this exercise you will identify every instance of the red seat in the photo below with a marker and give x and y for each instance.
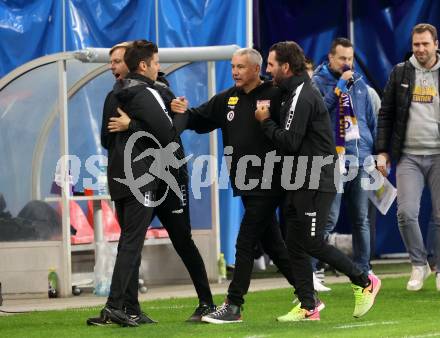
(84, 232)
(112, 230)
(157, 233)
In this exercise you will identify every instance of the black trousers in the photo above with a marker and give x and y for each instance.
(306, 214)
(134, 219)
(258, 224)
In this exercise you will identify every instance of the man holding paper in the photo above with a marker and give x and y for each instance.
(408, 133)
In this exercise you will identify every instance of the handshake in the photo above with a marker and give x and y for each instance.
(179, 105)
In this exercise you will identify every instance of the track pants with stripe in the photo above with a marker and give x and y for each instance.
(306, 215)
(134, 219)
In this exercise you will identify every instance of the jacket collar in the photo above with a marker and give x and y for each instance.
(294, 81)
(261, 86)
(132, 80)
(139, 77)
(417, 65)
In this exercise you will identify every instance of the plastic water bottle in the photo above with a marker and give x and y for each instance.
(102, 181)
(222, 267)
(102, 287)
(53, 283)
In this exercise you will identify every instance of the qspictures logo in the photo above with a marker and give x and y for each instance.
(162, 159)
(296, 172)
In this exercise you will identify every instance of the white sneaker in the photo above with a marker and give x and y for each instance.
(418, 276)
(318, 286)
(437, 281)
(260, 263)
(320, 275)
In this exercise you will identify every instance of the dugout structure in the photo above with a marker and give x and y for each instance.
(51, 107)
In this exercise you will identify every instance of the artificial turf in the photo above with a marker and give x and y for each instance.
(397, 313)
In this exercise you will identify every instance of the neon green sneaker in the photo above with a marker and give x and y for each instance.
(298, 314)
(364, 297)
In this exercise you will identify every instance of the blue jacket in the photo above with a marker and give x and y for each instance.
(326, 82)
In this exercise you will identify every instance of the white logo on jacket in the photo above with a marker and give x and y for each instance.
(293, 106)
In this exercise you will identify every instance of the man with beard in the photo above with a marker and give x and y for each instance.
(408, 134)
(304, 134)
(258, 184)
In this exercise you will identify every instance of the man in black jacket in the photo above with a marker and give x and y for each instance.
(136, 204)
(304, 135)
(408, 134)
(258, 184)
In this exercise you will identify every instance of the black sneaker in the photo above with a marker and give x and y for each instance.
(202, 310)
(99, 321)
(118, 316)
(142, 318)
(226, 314)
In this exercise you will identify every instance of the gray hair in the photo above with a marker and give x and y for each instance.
(253, 54)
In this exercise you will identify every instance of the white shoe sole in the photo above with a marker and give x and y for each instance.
(414, 288)
(321, 288)
(217, 321)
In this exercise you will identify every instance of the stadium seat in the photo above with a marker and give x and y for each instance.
(156, 233)
(112, 230)
(84, 232)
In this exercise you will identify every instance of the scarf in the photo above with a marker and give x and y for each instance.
(346, 126)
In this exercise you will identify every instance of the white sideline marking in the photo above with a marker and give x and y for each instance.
(349, 326)
(433, 334)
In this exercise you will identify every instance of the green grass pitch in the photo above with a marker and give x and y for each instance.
(397, 313)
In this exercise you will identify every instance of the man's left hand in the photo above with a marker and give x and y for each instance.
(120, 123)
(262, 113)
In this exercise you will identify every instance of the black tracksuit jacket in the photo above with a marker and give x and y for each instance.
(133, 96)
(309, 132)
(233, 111)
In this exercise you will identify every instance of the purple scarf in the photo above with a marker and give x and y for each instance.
(346, 126)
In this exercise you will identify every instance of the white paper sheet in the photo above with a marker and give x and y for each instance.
(383, 197)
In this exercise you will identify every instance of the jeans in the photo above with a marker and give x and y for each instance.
(431, 243)
(356, 201)
(412, 173)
